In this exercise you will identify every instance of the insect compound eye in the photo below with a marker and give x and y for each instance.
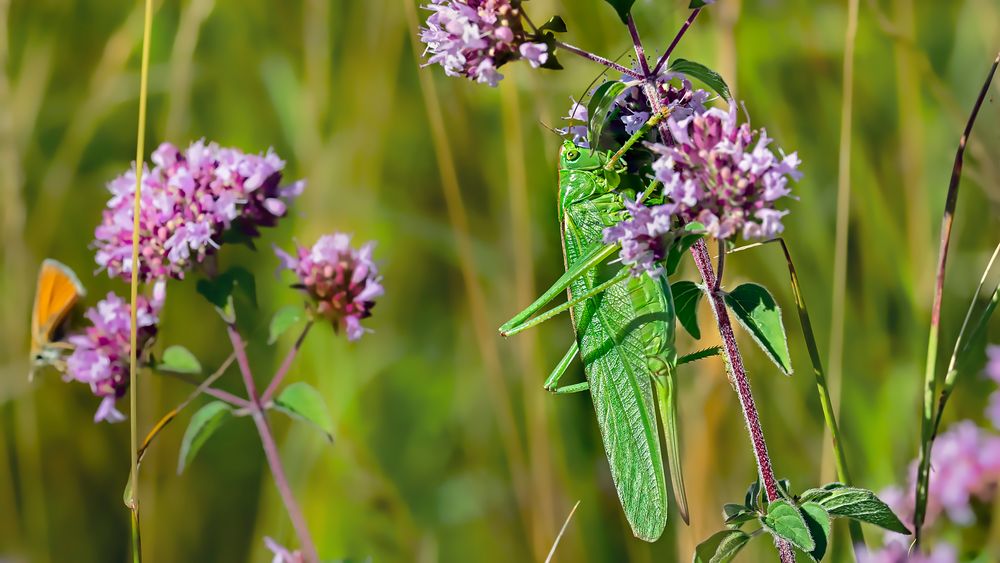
(572, 155)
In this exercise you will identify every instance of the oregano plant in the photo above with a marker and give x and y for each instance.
(193, 203)
(653, 168)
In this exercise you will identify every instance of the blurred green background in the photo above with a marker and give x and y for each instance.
(447, 447)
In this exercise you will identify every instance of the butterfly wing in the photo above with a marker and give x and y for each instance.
(58, 291)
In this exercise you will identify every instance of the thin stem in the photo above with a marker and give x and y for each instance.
(271, 449)
(930, 373)
(239, 348)
(278, 472)
(140, 150)
(286, 364)
(677, 39)
(599, 60)
(637, 43)
(960, 342)
(703, 261)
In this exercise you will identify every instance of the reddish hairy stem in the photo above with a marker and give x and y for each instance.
(640, 53)
(599, 60)
(286, 364)
(271, 449)
(738, 372)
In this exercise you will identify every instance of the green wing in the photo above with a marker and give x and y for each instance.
(613, 336)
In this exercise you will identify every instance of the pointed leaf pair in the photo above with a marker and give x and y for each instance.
(722, 547)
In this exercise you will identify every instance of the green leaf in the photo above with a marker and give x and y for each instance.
(302, 401)
(699, 355)
(785, 521)
(722, 547)
(818, 521)
(284, 319)
(695, 4)
(701, 72)
(862, 505)
(752, 499)
(623, 7)
(681, 245)
(687, 295)
(203, 423)
(599, 106)
(761, 317)
(178, 359)
(816, 494)
(555, 24)
(737, 514)
(219, 290)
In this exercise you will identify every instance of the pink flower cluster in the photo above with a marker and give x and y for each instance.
(189, 199)
(642, 237)
(677, 96)
(899, 552)
(724, 175)
(342, 281)
(473, 38)
(101, 352)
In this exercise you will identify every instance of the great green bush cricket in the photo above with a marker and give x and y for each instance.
(625, 330)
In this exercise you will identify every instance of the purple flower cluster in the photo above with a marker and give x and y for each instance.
(341, 280)
(724, 175)
(677, 96)
(473, 38)
(101, 352)
(642, 237)
(965, 465)
(189, 199)
(576, 124)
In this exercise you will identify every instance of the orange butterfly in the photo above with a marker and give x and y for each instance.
(58, 291)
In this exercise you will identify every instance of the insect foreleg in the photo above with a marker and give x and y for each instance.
(590, 260)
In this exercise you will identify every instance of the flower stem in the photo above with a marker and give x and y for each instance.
(286, 364)
(741, 382)
(278, 472)
(640, 53)
(599, 60)
(677, 39)
(930, 373)
(140, 150)
(271, 450)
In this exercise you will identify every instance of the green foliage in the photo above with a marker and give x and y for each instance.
(858, 504)
(303, 402)
(785, 521)
(284, 319)
(219, 290)
(622, 7)
(599, 106)
(695, 4)
(818, 521)
(680, 247)
(555, 24)
(761, 317)
(721, 547)
(687, 295)
(204, 422)
(178, 359)
(701, 72)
